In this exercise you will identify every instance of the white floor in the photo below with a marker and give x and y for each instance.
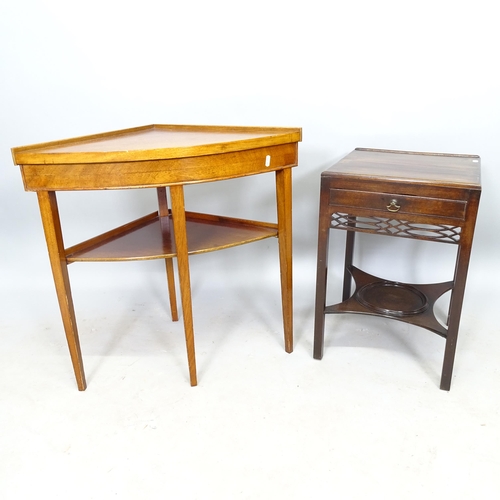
(368, 421)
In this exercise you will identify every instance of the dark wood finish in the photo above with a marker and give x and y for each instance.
(398, 203)
(429, 196)
(162, 156)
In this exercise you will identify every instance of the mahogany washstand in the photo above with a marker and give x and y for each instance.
(426, 196)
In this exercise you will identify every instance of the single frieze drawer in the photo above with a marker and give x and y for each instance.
(398, 203)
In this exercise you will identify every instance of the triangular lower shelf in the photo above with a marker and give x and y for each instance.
(147, 238)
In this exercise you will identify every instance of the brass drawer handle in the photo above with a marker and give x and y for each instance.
(393, 206)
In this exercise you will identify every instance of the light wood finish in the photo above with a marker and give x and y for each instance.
(53, 236)
(427, 196)
(164, 213)
(284, 202)
(150, 237)
(162, 156)
(154, 142)
(155, 156)
(181, 243)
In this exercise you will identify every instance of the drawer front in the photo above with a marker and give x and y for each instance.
(151, 173)
(392, 203)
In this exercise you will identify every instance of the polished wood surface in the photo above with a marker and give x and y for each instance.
(53, 236)
(162, 156)
(157, 173)
(154, 142)
(164, 214)
(152, 237)
(427, 196)
(155, 156)
(424, 168)
(284, 204)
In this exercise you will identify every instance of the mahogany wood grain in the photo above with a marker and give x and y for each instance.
(427, 196)
(439, 169)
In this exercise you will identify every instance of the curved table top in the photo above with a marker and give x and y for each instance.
(156, 155)
(154, 142)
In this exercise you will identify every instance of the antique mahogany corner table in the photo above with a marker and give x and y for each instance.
(427, 196)
(161, 157)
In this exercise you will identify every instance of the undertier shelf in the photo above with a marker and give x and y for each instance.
(411, 303)
(152, 237)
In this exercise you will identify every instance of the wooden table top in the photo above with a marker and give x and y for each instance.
(427, 168)
(153, 142)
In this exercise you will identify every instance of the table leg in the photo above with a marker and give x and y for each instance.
(455, 311)
(458, 291)
(284, 203)
(53, 235)
(321, 277)
(349, 250)
(169, 266)
(181, 243)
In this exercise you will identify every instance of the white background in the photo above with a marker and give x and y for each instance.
(419, 76)
(396, 75)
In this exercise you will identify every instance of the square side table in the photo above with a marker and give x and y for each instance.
(426, 196)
